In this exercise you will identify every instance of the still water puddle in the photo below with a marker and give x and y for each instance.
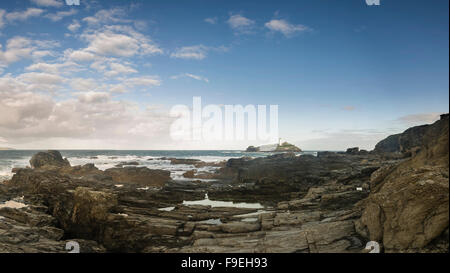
(213, 203)
(13, 205)
(211, 222)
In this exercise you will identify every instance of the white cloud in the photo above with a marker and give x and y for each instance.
(119, 69)
(198, 52)
(17, 48)
(39, 54)
(283, 26)
(48, 3)
(79, 55)
(115, 15)
(143, 81)
(189, 75)
(28, 117)
(84, 84)
(109, 43)
(121, 42)
(23, 15)
(93, 97)
(100, 65)
(117, 88)
(212, 20)
(74, 26)
(240, 24)
(60, 15)
(50, 100)
(419, 119)
(41, 78)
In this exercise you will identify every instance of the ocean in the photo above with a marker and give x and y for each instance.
(109, 158)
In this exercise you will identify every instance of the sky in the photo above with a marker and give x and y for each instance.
(105, 74)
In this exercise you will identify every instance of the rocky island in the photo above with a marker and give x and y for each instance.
(277, 148)
(396, 195)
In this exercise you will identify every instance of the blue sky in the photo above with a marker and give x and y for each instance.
(104, 74)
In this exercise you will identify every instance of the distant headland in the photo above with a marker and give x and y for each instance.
(5, 149)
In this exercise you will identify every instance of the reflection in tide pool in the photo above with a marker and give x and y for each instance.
(167, 209)
(13, 205)
(211, 222)
(213, 203)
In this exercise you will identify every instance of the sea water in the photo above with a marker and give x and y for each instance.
(105, 159)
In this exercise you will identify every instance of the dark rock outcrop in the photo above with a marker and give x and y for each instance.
(405, 142)
(252, 149)
(277, 148)
(131, 163)
(354, 150)
(139, 175)
(279, 176)
(48, 159)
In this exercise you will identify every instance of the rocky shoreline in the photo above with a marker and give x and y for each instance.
(396, 195)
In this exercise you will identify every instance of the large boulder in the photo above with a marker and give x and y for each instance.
(139, 175)
(48, 159)
(85, 212)
(352, 151)
(408, 207)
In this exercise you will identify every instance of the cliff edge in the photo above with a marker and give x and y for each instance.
(408, 207)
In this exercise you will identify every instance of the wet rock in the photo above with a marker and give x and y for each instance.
(48, 159)
(81, 171)
(131, 163)
(139, 175)
(183, 161)
(189, 174)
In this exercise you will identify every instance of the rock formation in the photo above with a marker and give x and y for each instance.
(405, 142)
(139, 175)
(284, 147)
(48, 159)
(408, 207)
